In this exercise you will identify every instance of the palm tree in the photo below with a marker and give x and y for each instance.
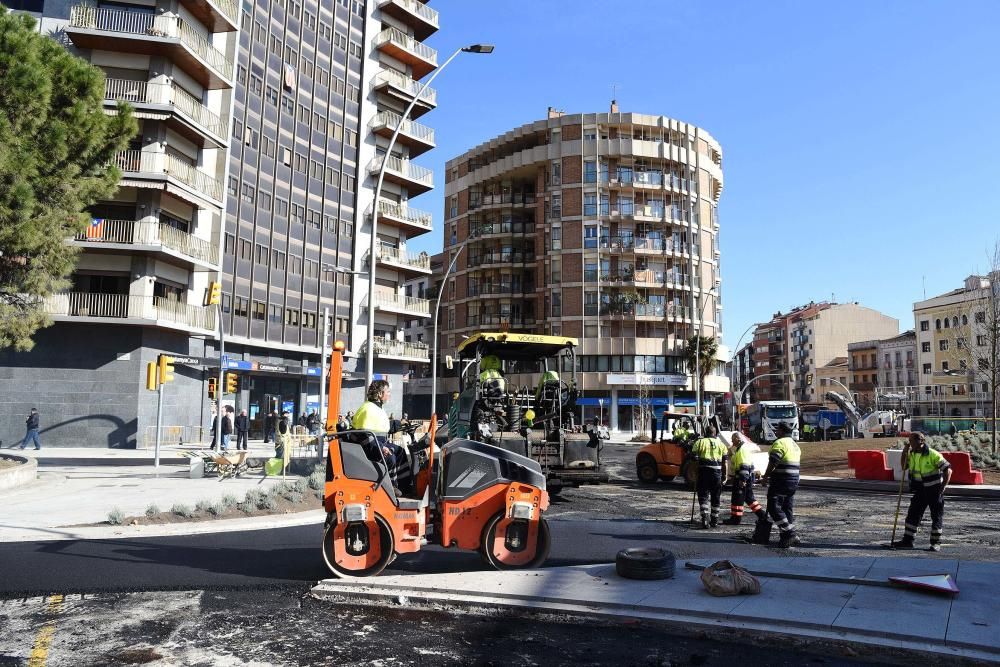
(700, 353)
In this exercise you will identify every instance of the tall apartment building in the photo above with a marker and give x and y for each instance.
(741, 371)
(952, 341)
(602, 227)
(261, 129)
(420, 334)
(886, 366)
(792, 348)
(319, 90)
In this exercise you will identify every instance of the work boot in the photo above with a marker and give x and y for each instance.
(934, 547)
(733, 521)
(761, 515)
(704, 521)
(905, 543)
(789, 540)
(714, 523)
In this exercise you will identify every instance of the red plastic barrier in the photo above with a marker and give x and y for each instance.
(869, 465)
(961, 468)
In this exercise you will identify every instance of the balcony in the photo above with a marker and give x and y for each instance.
(400, 304)
(505, 320)
(404, 89)
(419, 138)
(500, 289)
(416, 264)
(186, 114)
(178, 177)
(217, 15)
(129, 309)
(644, 311)
(403, 351)
(421, 18)
(417, 180)
(641, 245)
(421, 58)
(500, 258)
(151, 236)
(504, 199)
(152, 35)
(502, 229)
(399, 215)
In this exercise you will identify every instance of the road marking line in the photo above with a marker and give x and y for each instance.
(40, 650)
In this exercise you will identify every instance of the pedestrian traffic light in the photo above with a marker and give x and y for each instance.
(166, 369)
(213, 388)
(151, 382)
(213, 294)
(232, 383)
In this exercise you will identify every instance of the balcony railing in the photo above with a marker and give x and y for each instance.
(395, 301)
(163, 163)
(406, 84)
(501, 257)
(143, 232)
(420, 9)
(645, 310)
(410, 215)
(627, 242)
(139, 92)
(500, 288)
(391, 120)
(503, 228)
(398, 348)
(142, 23)
(407, 43)
(484, 319)
(127, 306)
(394, 255)
(405, 168)
(511, 198)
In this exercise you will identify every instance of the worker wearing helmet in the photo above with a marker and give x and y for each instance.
(491, 376)
(371, 417)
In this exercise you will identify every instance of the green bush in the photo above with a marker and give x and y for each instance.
(317, 479)
(116, 517)
(254, 496)
(229, 500)
(247, 507)
(295, 497)
(182, 510)
(269, 503)
(202, 505)
(217, 508)
(152, 510)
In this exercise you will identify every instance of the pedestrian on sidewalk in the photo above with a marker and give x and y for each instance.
(930, 474)
(242, 430)
(782, 477)
(282, 435)
(312, 423)
(270, 423)
(31, 430)
(711, 456)
(743, 473)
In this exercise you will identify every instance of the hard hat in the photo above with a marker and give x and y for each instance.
(490, 363)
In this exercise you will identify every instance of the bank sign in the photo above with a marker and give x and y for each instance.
(650, 379)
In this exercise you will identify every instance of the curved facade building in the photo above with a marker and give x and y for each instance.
(597, 226)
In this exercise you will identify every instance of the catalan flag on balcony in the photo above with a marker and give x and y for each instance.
(95, 230)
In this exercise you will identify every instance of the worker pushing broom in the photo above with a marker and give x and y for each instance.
(929, 474)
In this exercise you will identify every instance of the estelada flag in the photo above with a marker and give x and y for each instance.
(95, 230)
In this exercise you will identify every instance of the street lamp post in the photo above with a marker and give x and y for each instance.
(697, 358)
(732, 375)
(437, 307)
(372, 259)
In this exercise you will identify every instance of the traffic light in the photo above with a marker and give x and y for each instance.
(166, 369)
(232, 383)
(151, 382)
(213, 294)
(213, 388)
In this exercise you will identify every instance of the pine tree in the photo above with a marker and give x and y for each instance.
(56, 148)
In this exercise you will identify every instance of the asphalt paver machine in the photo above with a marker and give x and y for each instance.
(468, 495)
(528, 405)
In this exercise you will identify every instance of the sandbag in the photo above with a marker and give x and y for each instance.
(723, 578)
(273, 467)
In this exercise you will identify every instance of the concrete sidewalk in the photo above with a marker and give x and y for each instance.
(866, 619)
(105, 456)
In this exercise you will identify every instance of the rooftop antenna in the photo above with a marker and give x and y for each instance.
(923, 279)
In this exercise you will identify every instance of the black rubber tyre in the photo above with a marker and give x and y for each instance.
(541, 549)
(667, 478)
(645, 563)
(645, 469)
(385, 537)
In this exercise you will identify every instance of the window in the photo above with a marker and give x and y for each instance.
(927, 370)
(590, 203)
(589, 171)
(980, 340)
(984, 364)
(259, 310)
(230, 247)
(556, 206)
(234, 186)
(556, 304)
(278, 259)
(262, 255)
(943, 345)
(247, 193)
(981, 317)
(925, 346)
(937, 324)
(246, 249)
(944, 365)
(557, 238)
(590, 236)
(925, 325)
(556, 178)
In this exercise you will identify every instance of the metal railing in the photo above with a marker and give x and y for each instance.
(173, 435)
(503, 228)
(410, 215)
(122, 306)
(406, 84)
(500, 257)
(482, 319)
(404, 41)
(402, 302)
(500, 288)
(163, 163)
(514, 199)
(629, 242)
(645, 310)
(142, 23)
(394, 255)
(391, 120)
(398, 348)
(404, 168)
(145, 232)
(138, 92)
(418, 8)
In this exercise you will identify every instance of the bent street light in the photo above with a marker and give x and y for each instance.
(372, 258)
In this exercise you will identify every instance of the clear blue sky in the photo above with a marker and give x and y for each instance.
(861, 147)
